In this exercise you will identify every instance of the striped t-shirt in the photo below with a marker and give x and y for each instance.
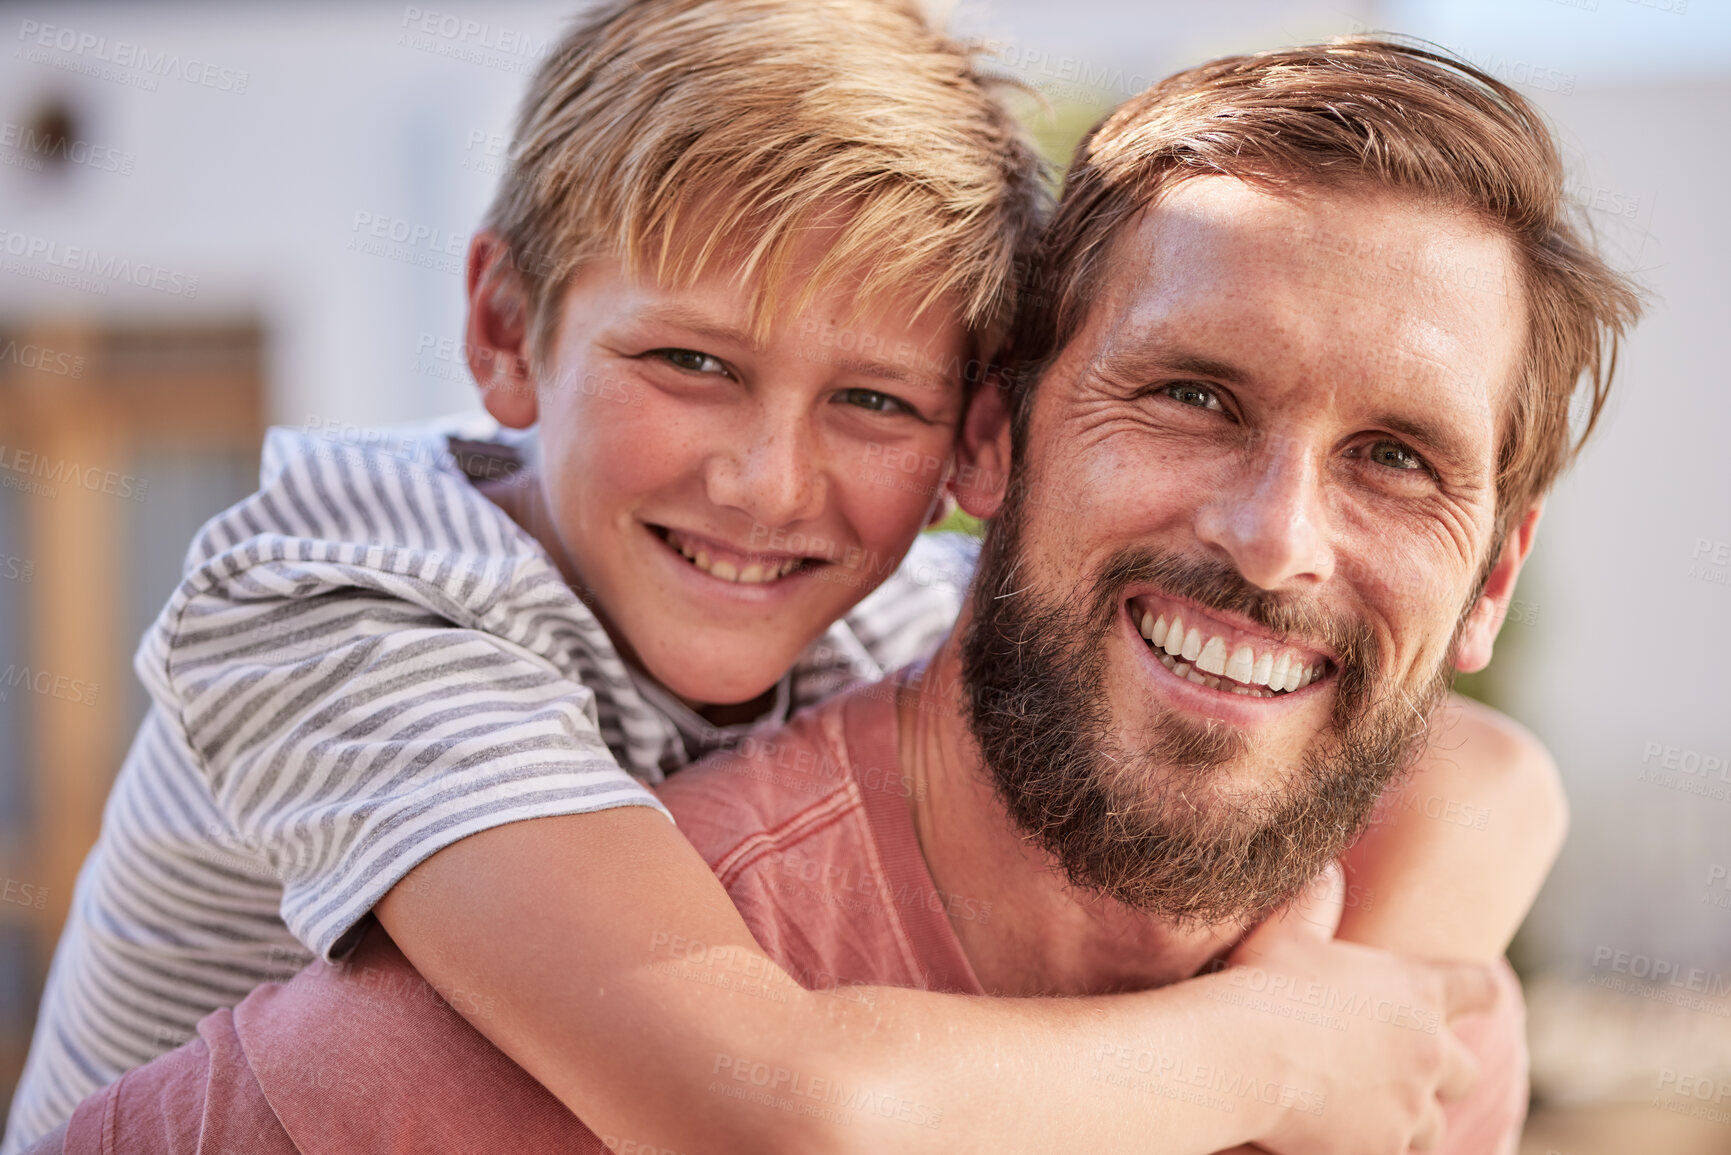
(366, 661)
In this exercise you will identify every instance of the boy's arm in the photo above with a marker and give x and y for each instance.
(1458, 853)
(551, 937)
(1450, 871)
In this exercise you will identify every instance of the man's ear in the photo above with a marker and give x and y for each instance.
(983, 455)
(496, 337)
(1487, 615)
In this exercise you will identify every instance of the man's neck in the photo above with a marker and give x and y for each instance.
(1042, 936)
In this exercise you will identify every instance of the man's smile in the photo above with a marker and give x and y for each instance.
(1223, 656)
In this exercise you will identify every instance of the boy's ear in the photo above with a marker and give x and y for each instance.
(496, 337)
(1486, 617)
(983, 455)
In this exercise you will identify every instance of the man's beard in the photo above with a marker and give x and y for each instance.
(1155, 826)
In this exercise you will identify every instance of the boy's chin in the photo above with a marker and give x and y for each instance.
(729, 687)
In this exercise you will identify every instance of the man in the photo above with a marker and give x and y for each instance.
(1276, 448)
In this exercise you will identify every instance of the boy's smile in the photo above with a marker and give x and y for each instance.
(714, 494)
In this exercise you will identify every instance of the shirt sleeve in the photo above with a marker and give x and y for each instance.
(348, 734)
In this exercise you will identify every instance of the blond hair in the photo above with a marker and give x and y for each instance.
(685, 135)
(1356, 111)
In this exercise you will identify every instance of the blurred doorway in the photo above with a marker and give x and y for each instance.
(116, 444)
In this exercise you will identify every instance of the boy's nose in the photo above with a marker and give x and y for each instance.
(1271, 521)
(771, 472)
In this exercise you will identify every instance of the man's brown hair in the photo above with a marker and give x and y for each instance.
(1356, 112)
(686, 135)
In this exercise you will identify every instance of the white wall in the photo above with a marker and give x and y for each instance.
(1628, 647)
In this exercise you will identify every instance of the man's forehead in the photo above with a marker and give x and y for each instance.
(1347, 287)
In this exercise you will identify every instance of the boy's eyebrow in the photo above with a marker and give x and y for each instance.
(700, 323)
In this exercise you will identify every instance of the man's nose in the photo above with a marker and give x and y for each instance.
(1271, 522)
(769, 469)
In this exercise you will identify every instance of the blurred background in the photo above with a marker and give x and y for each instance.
(214, 218)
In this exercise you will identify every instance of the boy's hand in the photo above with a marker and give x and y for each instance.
(1367, 1047)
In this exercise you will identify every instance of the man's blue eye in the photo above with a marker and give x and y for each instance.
(692, 361)
(1198, 396)
(873, 400)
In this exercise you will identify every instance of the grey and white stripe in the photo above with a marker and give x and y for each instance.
(365, 662)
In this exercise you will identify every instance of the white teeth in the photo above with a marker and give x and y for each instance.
(1242, 665)
(1182, 650)
(1213, 656)
(1282, 666)
(1192, 644)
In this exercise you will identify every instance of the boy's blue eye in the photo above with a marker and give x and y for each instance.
(691, 360)
(873, 400)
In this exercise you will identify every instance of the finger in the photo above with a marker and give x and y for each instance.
(1319, 906)
(1431, 1125)
(1460, 1069)
(1467, 987)
(1315, 913)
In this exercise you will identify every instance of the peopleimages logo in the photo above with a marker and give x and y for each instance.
(30, 148)
(22, 463)
(79, 259)
(88, 48)
(1660, 971)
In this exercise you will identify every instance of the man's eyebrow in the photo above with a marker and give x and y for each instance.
(1141, 357)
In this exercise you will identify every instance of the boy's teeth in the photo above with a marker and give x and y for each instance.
(1206, 663)
(752, 573)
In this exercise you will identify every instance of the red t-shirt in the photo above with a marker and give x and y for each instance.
(810, 833)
